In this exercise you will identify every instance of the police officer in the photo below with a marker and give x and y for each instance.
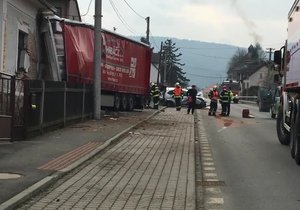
(154, 93)
(178, 93)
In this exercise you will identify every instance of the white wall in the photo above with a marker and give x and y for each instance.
(255, 80)
(3, 7)
(20, 15)
(153, 74)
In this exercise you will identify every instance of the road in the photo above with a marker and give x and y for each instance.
(257, 171)
(242, 166)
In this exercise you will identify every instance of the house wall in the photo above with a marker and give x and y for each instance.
(259, 77)
(153, 74)
(19, 15)
(3, 4)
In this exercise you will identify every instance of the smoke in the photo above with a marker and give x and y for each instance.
(249, 24)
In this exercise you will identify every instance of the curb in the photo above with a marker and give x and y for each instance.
(47, 181)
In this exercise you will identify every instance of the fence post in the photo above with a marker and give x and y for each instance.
(42, 107)
(12, 104)
(26, 106)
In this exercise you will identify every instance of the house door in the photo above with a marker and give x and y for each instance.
(12, 110)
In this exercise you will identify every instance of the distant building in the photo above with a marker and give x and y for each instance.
(251, 72)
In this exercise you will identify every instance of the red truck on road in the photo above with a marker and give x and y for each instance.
(288, 58)
(125, 67)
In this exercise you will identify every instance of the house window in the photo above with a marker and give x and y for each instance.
(23, 59)
(260, 76)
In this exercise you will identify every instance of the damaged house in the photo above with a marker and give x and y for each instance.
(23, 61)
(20, 42)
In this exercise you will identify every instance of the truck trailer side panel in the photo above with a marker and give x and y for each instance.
(125, 66)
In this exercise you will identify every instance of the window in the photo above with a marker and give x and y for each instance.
(260, 76)
(23, 58)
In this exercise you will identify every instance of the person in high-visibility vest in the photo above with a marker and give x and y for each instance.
(214, 96)
(177, 94)
(225, 100)
(155, 95)
(230, 99)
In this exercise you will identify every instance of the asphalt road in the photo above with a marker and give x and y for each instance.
(257, 170)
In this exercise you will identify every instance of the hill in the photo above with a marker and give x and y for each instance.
(205, 63)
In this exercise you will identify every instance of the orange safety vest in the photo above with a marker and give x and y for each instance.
(215, 95)
(177, 92)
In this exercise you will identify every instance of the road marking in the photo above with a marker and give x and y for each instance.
(220, 130)
(213, 198)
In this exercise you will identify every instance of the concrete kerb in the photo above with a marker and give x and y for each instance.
(47, 181)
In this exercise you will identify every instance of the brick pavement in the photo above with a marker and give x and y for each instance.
(151, 168)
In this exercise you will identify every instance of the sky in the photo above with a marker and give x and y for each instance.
(234, 22)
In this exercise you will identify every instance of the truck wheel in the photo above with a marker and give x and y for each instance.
(295, 131)
(130, 103)
(123, 102)
(282, 133)
(117, 102)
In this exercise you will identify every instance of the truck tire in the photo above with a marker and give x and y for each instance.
(117, 102)
(282, 133)
(295, 132)
(130, 103)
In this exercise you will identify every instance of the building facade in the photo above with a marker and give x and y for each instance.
(20, 43)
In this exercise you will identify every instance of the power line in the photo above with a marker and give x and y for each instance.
(154, 40)
(209, 56)
(205, 76)
(87, 9)
(134, 10)
(209, 48)
(121, 18)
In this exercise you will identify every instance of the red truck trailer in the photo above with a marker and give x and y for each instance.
(125, 66)
(288, 58)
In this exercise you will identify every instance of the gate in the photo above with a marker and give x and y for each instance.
(12, 124)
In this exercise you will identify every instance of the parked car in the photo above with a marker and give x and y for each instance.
(170, 101)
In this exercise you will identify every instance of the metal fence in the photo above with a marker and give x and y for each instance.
(53, 104)
(33, 106)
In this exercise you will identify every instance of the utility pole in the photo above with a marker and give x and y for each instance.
(148, 30)
(159, 65)
(165, 67)
(270, 51)
(97, 60)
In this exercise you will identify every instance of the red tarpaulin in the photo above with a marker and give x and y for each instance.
(125, 63)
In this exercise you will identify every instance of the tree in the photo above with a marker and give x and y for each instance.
(242, 60)
(171, 68)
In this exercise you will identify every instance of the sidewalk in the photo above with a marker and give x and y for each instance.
(44, 158)
(153, 167)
